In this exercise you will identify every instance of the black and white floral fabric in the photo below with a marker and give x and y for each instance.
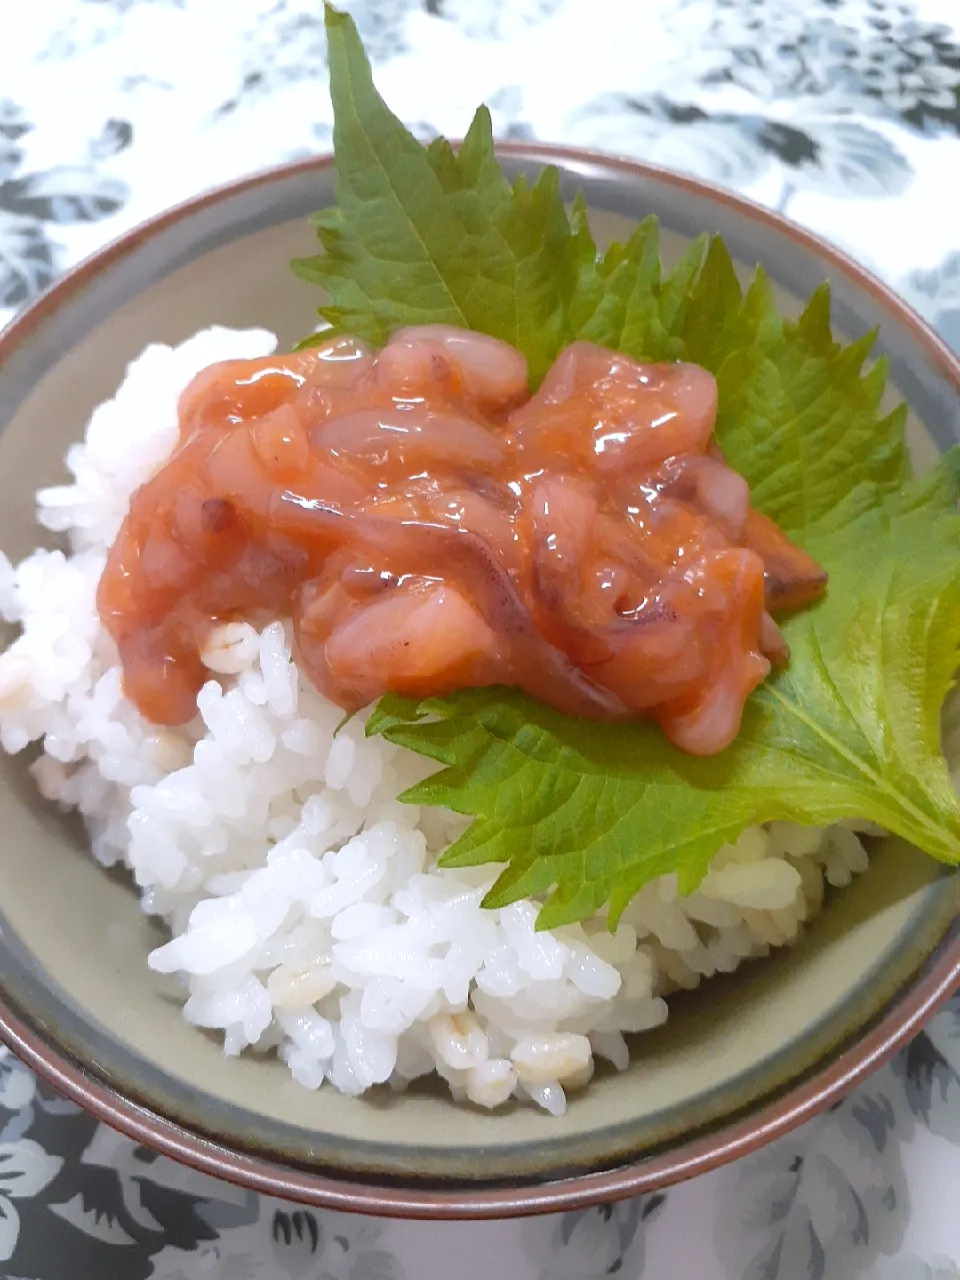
(843, 113)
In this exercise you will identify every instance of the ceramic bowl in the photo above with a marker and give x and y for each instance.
(741, 1061)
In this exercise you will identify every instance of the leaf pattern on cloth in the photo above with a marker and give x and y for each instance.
(25, 1169)
(935, 292)
(28, 261)
(844, 159)
(930, 1073)
(108, 1204)
(140, 1174)
(287, 1242)
(824, 1202)
(33, 201)
(115, 136)
(100, 1224)
(18, 1087)
(9, 1228)
(677, 136)
(63, 195)
(589, 1244)
(833, 157)
(877, 56)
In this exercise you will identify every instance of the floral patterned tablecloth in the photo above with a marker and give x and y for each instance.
(843, 113)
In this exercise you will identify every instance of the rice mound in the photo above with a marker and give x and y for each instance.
(305, 907)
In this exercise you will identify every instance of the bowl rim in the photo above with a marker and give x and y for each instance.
(824, 1085)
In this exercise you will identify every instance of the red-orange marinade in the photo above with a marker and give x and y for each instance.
(429, 525)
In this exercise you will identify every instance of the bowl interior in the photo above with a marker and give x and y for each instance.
(72, 939)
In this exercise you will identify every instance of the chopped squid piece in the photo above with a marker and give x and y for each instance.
(430, 638)
(610, 413)
(793, 579)
(711, 713)
(429, 525)
(488, 371)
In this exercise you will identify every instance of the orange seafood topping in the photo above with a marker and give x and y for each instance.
(429, 525)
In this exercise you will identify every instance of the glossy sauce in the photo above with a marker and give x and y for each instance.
(428, 525)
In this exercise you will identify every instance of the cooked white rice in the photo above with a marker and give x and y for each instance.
(305, 907)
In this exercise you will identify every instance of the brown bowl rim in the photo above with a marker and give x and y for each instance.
(828, 1085)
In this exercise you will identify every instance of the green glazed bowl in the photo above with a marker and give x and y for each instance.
(740, 1061)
